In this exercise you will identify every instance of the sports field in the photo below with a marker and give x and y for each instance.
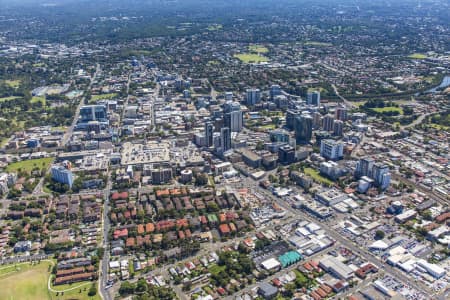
(25, 282)
(29, 165)
(13, 83)
(258, 49)
(388, 109)
(251, 58)
(30, 282)
(4, 99)
(417, 56)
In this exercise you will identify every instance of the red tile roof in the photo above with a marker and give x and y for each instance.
(182, 223)
(119, 233)
(149, 227)
(117, 195)
(130, 242)
(224, 229)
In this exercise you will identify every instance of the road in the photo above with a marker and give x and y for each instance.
(38, 189)
(247, 289)
(103, 276)
(346, 102)
(352, 246)
(441, 199)
(418, 120)
(69, 131)
(128, 98)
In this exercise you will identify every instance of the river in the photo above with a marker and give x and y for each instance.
(445, 83)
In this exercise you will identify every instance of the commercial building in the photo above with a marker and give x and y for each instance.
(336, 268)
(267, 291)
(62, 175)
(313, 98)
(303, 129)
(286, 154)
(364, 184)
(281, 101)
(317, 120)
(433, 269)
(364, 167)
(251, 159)
(228, 96)
(271, 264)
(233, 117)
(381, 175)
(253, 96)
(328, 122)
(331, 197)
(331, 149)
(6, 180)
(222, 168)
(405, 216)
(331, 169)
(159, 173)
(93, 113)
(279, 136)
(338, 128)
(209, 134)
(275, 90)
(340, 113)
(291, 115)
(186, 176)
(225, 139)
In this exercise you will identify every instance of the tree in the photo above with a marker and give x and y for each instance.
(427, 215)
(259, 146)
(141, 286)
(201, 179)
(126, 288)
(92, 290)
(379, 235)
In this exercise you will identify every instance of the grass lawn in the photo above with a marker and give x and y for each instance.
(38, 99)
(3, 142)
(320, 44)
(417, 56)
(213, 63)
(320, 89)
(28, 282)
(358, 103)
(317, 177)
(59, 128)
(13, 83)
(8, 98)
(215, 27)
(258, 49)
(439, 127)
(75, 292)
(29, 165)
(251, 58)
(269, 126)
(387, 109)
(96, 98)
(216, 269)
